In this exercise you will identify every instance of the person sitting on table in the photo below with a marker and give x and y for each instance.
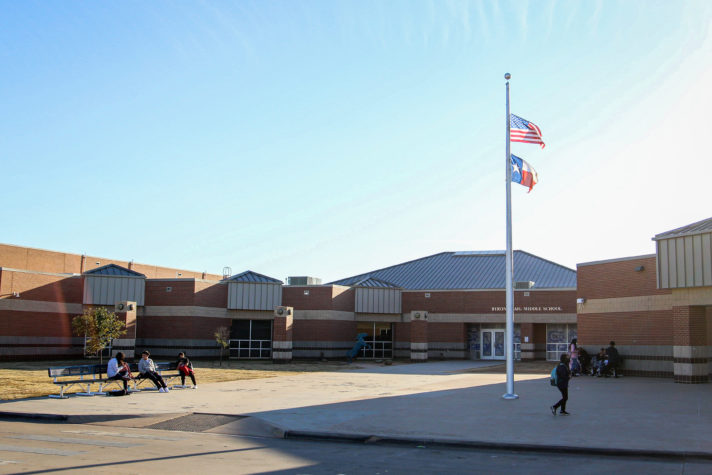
(119, 370)
(148, 370)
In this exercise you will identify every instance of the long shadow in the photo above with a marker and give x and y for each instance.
(134, 461)
(632, 413)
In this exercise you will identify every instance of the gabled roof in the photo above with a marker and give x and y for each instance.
(253, 277)
(470, 270)
(374, 282)
(114, 270)
(700, 227)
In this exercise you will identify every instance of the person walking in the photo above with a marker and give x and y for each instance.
(147, 369)
(563, 374)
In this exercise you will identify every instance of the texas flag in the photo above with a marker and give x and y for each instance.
(523, 173)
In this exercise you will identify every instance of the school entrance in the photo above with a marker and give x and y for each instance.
(379, 338)
(251, 339)
(492, 344)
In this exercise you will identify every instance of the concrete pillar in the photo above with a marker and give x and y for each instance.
(126, 311)
(418, 336)
(691, 363)
(282, 334)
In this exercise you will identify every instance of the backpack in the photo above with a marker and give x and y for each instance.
(554, 378)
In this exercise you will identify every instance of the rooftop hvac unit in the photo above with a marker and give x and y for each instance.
(303, 280)
(523, 285)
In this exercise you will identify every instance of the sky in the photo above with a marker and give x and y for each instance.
(329, 139)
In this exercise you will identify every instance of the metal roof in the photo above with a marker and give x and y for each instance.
(700, 227)
(113, 269)
(374, 282)
(470, 270)
(253, 277)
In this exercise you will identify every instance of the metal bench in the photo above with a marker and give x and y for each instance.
(88, 375)
(68, 376)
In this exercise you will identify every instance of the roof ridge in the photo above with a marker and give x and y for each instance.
(233, 277)
(677, 230)
(546, 260)
(96, 270)
(357, 276)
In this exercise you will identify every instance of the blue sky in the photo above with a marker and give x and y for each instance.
(333, 138)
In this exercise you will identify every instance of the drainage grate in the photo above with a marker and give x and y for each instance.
(195, 422)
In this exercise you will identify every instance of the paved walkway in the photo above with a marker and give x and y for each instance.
(436, 402)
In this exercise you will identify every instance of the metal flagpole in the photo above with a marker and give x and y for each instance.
(509, 334)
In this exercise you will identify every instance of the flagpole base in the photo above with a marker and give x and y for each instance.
(510, 396)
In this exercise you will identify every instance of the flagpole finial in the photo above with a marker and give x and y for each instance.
(507, 76)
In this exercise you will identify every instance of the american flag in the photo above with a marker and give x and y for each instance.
(524, 131)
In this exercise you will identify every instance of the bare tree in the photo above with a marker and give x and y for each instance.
(222, 337)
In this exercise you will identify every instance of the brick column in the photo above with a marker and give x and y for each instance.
(126, 311)
(282, 339)
(690, 344)
(527, 344)
(418, 336)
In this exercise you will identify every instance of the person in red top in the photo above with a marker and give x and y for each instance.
(185, 368)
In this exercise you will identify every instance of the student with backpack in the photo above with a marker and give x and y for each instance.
(560, 378)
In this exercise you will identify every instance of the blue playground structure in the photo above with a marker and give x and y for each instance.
(351, 354)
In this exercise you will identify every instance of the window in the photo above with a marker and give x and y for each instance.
(251, 339)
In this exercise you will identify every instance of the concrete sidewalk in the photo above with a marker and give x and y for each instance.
(433, 403)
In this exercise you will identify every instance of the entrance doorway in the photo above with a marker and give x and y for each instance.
(251, 339)
(379, 338)
(492, 344)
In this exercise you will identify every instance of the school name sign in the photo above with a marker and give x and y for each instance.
(529, 309)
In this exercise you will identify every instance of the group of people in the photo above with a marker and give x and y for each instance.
(601, 364)
(118, 369)
(570, 366)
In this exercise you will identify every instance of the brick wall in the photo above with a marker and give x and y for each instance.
(635, 328)
(618, 279)
(210, 294)
(182, 292)
(324, 330)
(180, 327)
(319, 298)
(42, 287)
(689, 326)
(40, 260)
(482, 302)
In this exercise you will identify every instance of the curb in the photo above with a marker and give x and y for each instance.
(68, 418)
(374, 439)
(509, 446)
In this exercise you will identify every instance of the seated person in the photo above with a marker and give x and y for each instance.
(119, 370)
(185, 368)
(148, 370)
(613, 360)
(598, 362)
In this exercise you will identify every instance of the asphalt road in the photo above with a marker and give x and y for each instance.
(37, 447)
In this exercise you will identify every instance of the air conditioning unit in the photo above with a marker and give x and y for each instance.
(282, 311)
(420, 315)
(523, 285)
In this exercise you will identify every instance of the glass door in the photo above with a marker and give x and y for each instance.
(492, 344)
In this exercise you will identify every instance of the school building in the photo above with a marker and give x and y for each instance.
(448, 305)
(656, 307)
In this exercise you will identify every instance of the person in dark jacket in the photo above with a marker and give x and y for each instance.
(563, 374)
(614, 359)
